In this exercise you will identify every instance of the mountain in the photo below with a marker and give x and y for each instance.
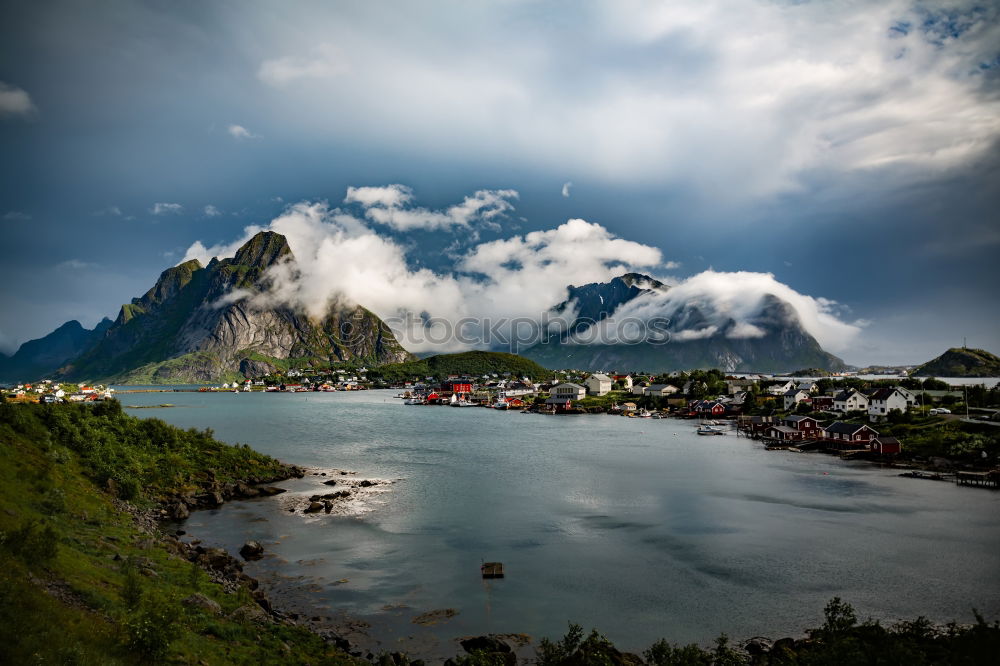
(961, 362)
(37, 358)
(217, 323)
(781, 343)
(475, 363)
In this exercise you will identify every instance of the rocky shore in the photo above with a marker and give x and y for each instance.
(161, 523)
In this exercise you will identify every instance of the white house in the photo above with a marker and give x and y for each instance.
(808, 387)
(598, 384)
(568, 390)
(883, 401)
(781, 389)
(639, 388)
(794, 397)
(661, 390)
(849, 401)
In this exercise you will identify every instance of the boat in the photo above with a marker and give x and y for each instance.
(709, 430)
(413, 401)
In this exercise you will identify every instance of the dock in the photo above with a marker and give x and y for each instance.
(982, 479)
(492, 569)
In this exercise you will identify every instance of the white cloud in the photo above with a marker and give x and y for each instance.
(76, 265)
(211, 211)
(324, 63)
(738, 300)
(388, 205)
(14, 101)
(340, 257)
(735, 100)
(161, 208)
(16, 216)
(239, 132)
(565, 188)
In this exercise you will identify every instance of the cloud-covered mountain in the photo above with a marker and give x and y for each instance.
(636, 323)
(220, 321)
(499, 294)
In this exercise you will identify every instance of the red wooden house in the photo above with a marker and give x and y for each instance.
(885, 446)
(849, 435)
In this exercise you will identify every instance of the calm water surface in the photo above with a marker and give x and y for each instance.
(634, 526)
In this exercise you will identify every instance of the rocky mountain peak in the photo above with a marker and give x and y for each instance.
(263, 250)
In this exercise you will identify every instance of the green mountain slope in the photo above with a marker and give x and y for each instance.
(961, 362)
(475, 363)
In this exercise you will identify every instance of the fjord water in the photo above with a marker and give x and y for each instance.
(634, 526)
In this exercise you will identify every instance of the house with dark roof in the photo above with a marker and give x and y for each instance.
(849, 434)
(885, 446)
(794, 397)
(805, 424)
(884, 400)
(850, 400)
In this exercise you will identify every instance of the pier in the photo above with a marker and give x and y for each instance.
(989, 479)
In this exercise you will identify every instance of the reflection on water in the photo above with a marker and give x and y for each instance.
(636, 527)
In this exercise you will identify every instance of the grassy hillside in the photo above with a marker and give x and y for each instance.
(475, 363)
(958, 362)
(82, 581)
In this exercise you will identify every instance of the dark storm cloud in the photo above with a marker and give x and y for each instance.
(848, 148)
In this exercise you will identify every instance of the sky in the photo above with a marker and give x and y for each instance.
(472, 159)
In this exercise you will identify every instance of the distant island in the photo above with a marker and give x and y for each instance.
(961, 362)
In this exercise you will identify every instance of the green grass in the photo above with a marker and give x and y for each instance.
(60, 531)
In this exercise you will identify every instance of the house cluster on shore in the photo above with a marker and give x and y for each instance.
(48, 392)
(799, 430)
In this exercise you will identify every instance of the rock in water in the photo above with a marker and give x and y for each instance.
(252, 550)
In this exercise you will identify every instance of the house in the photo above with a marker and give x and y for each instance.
(661, 390)
(850, 400)
(560, 404)
(568, 390)
(808, 387)
(707, 407)
(885, 446)
(883, 401)
(598, 384)
(785, 433)
(628, 407)
(911, 397)
(848, 433)
(626, 381)
(821, 402)
(781, 388)
(639, 388)
(794, 397)
(456, 386)
(757, 424)
(804, 424)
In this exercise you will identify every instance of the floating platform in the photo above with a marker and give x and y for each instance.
(492, 569)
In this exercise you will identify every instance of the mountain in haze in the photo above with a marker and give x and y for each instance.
(36, 359)
(961, 362)
(203, 324)
(784, 345)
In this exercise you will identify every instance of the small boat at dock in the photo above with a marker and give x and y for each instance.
(709, 430)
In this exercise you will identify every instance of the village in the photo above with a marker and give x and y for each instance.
(886, 420)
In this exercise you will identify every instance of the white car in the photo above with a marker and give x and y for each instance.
(940, 410)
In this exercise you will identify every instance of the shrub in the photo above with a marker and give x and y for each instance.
(33, 543)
